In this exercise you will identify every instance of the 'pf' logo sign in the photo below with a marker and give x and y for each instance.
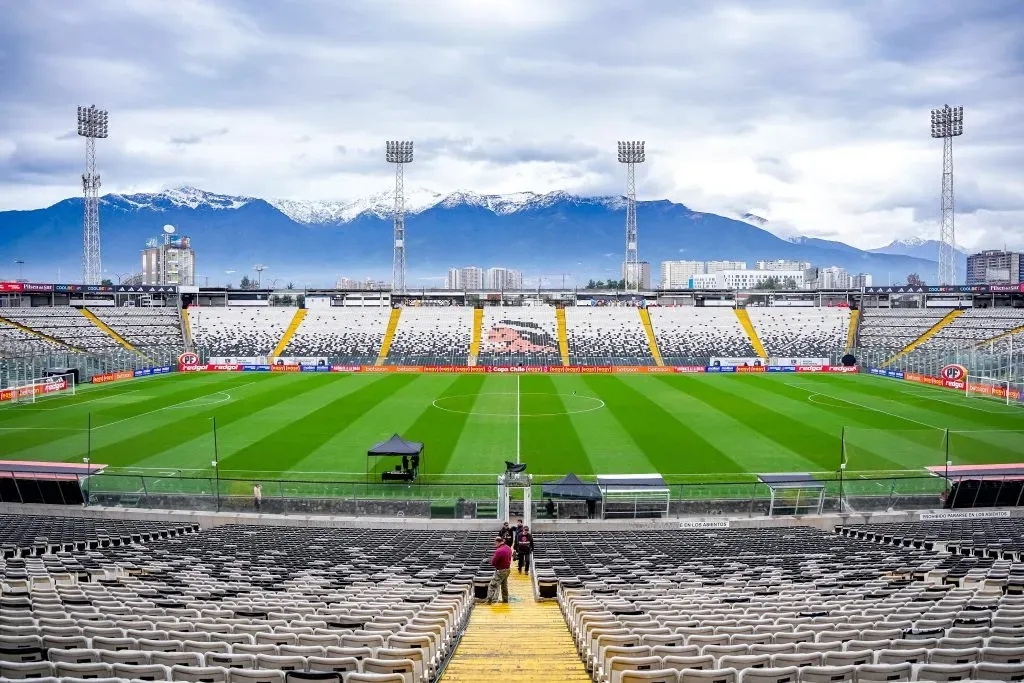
(188, 360)
(954, 372)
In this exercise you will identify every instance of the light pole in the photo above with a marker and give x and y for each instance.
(92, 125)
(631, 153)
(20, 263)
(216, 461)
(399, 153)
(947, 123)
(259, 268)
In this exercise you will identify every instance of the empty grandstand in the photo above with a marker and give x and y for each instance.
(238, 330)
(519, 335)
(801, 332)
(432, 335)
(606, 335)
(16, 342)
(973, 326)
(689, 335)
(65, 324)
(892, 329)
(349, 335)
(145, 327)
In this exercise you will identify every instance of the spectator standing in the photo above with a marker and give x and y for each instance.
(507, 535)
(549, 507)
(525, 547)
(257, 496)
(501, 560)
(405, 463)
(516, 531)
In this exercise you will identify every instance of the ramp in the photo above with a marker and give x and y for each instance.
(1001, 335)
(563, 339)
(186, 330)
(388, 336)
(293, 326)
(36, 333)
(929, 333)
(106, 328)
(652, 342)
(744, 318)
(851, 333)
(478, 325)
(522, 641)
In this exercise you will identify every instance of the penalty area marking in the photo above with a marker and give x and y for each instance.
(812, 395)
(596, 404)
(203, 401)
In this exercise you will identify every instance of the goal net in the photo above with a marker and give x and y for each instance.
(994, 388)
(39, 389)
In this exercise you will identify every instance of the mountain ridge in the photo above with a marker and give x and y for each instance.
(538, 233)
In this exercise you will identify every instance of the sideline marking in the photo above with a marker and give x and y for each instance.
(601, 404)
(156, 410)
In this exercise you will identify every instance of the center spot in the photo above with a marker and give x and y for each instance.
(503, 404)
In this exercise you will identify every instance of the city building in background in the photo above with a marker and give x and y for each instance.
(466, 278)
(861, 280)
(782, 264)
(678, 274)
(716, 266)
(169, 260)
(642, 274)
(504, 279)
(749, 279)
(364, 284)
(995, 267)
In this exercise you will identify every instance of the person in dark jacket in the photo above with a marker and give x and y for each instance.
(549, 507)
(508, 535)
(525, 549)
(516, 530)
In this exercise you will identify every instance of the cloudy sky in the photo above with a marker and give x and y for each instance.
(813, 114)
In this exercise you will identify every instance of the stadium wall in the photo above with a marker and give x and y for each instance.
(498, 369)
(957, 379)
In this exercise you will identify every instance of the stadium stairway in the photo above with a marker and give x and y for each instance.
(186, 332)
(524, 640)
(928, 334)
(293, 327)
(41, 335)
(755, 341)
(108, 330)
(563, 338)
(851, 334)
(1001, 335)
(645, 318)
(388, 336)
(478, 326)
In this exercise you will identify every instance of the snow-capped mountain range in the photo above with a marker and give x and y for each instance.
(316, 241)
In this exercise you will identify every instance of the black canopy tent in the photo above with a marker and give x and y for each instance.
(571, 486)
(396, 446)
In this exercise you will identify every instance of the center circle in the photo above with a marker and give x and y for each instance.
(466, 404)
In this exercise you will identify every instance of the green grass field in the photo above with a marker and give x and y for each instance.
(714, 428)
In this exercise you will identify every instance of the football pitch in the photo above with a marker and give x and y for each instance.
(318, 427)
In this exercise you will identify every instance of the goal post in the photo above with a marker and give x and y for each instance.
(1003, 390)
(40, 388)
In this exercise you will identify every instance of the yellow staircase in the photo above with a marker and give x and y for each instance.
(186, 325)
(106, 328)
(1001, 335)
(645, 318)
(293, 326)
(478, 326)
(388, 336)
(37, 333)
(744, 318)
(563, 339)
(851, 334)
(931, 332)
(522, 641)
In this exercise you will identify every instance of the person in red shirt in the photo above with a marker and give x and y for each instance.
(501, 560)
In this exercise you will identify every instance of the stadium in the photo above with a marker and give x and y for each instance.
(782, 474)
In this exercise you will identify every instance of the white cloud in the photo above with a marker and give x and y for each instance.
(813, 115)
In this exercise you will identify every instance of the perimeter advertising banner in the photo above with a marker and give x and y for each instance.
(46, 387)
(508, 370)
(954, 377)
(129, 374)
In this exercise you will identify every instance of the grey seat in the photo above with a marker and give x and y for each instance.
(655, 676)
(884, 672)
(960, 656)
(136, 657)
(785, 674)
(255, 676)
(82, 670)
(943, 672)
(332, 664)
(916, 656)
(798, 659)
(992, 671)
(199, 674)
(143, 672)
(828, 674)
(26, 669)
(75, 655)
(844, 658)
(176, 658)
(708, 676)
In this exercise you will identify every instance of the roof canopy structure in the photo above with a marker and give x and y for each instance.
(794, 493)
(571, 486)
(396, 445)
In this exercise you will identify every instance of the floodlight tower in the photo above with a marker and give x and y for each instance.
(631, 154)
(259, 268)
(947, 123)
(92, 124)
(399, 153)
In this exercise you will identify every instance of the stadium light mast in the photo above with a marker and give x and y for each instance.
(947, 123)
(92, 124)
(399, 153)
(259, 268)
(631, 153)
